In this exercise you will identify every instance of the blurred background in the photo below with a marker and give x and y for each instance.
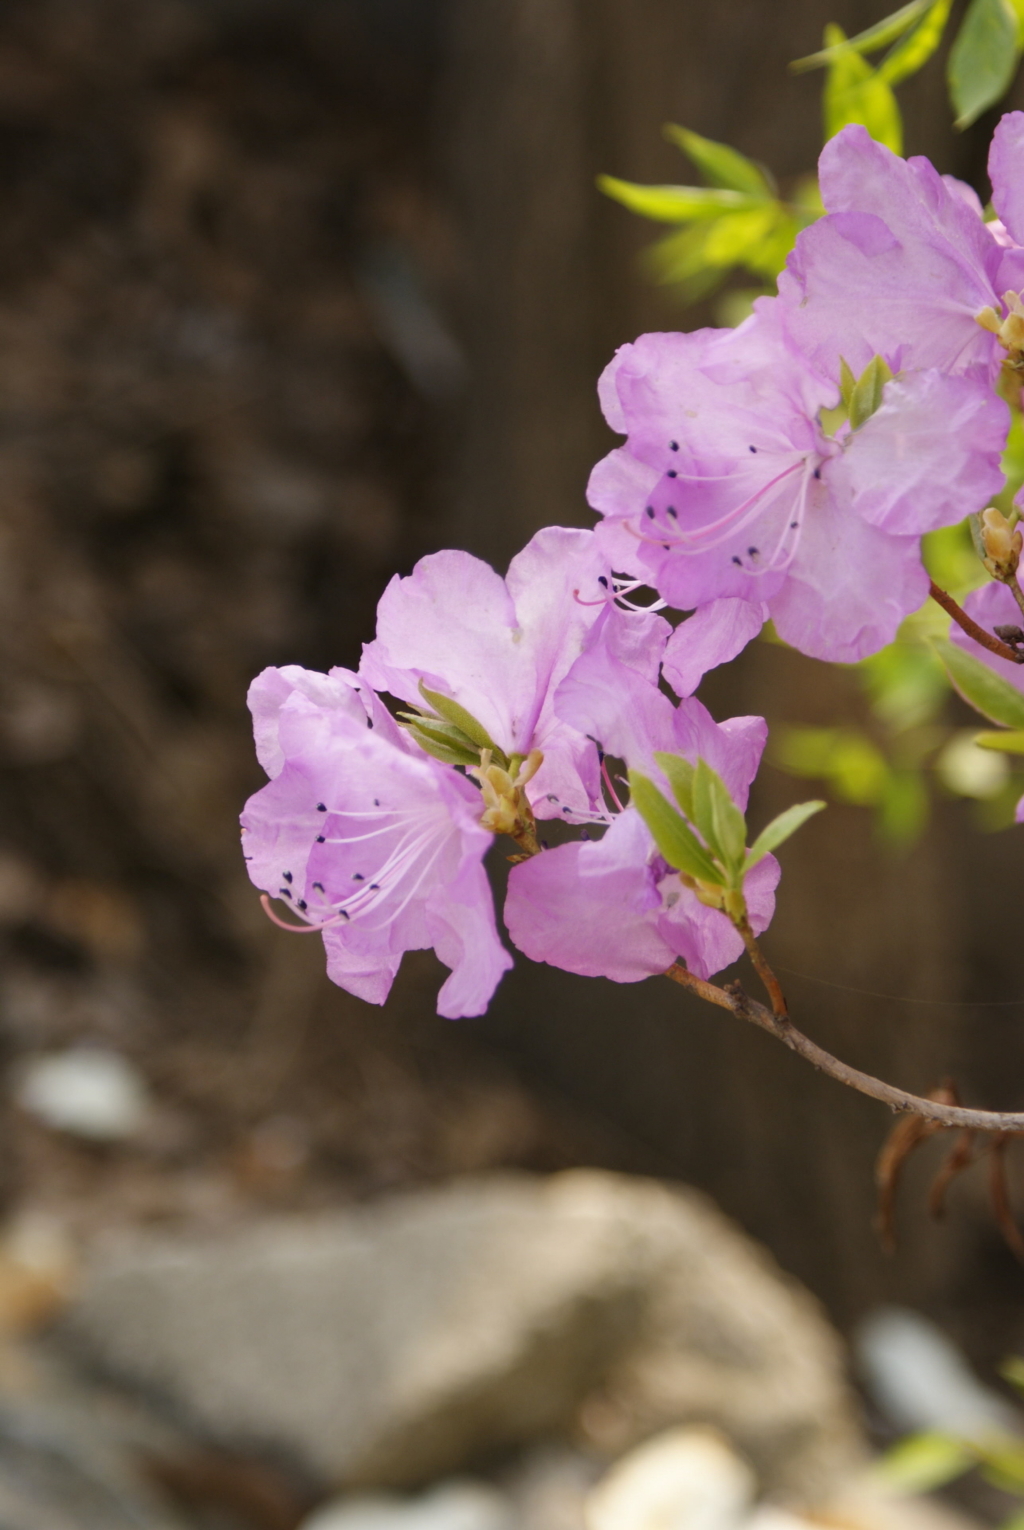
(291, 293)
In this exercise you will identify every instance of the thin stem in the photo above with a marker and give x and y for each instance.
(783, 1029)
(772, 986)
(986, 639)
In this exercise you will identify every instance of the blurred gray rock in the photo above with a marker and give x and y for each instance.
(388, 1344)
(70, 1459)
(453, 1505)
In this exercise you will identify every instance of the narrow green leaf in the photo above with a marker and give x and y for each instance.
(983, 58)
(916, 47)
(717, 817)
(1010, 742)
(854, 92)
(679, 775)
(780, 830)
(737, 236)
(457, 715)
(676, 204)
(867, 393)
(719, 164)
(435, 740)
(878, 36)
(1012, 1370)
(989, 694)
(922, 1462)
(675, 840)
(847, 381)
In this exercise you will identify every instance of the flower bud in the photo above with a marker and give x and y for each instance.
(1002, 543)
(1009, 330)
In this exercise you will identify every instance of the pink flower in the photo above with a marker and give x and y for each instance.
(612, 907)
(500, 647)
(369, 841)
(902, 264)
(730, 493)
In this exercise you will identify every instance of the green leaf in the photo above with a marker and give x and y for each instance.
(1012, 1370)
(676, 204)
(854, 92)
(917, 47)
(717, 817)
(847, 381)
(675, 840)
(922, 1462)
(878, 36)
(903, 810)
(1010, 742)
(453, 713)
(435, 738)
(679, 775)
(737, 236)
(780, 829)
(983, 58)
(719, 164)
(989, 694)
(867, 393)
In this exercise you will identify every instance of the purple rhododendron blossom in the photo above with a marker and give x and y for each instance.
(369, 840)
(1006, 172)
(500, 647)
(902, 264)
(612, 907)
(728, 487)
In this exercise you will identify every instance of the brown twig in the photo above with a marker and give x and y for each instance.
(986, 639)
(960, 1158)
(905, 1136)
(782, 1028)
(1001, 1196)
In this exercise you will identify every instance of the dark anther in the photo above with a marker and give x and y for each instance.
(282, 892)
(321, 807)
(318, 887)
(673, 446)
(544, 845)
(357, 876)
(817, 472)
(375, 887)
(752, 552)
(376, 802)
(672, 473)
(584, 834)
(602, 581)
(738, 562)
(753, 449)
(320, 839)
(1009, 633)
(369, 722)
(288, 876)
(344, 913)
(301, 904)
(650, 512)
(552, 797)
(793, 525)
(567, 810)
(672, 513)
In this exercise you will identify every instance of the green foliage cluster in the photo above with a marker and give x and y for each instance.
(738, 223)
(706, 840)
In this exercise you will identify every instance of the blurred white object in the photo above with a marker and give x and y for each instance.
(88, 1091)
(684, 1479)
(453, 1505)
(921, 1381)
(970, 771)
